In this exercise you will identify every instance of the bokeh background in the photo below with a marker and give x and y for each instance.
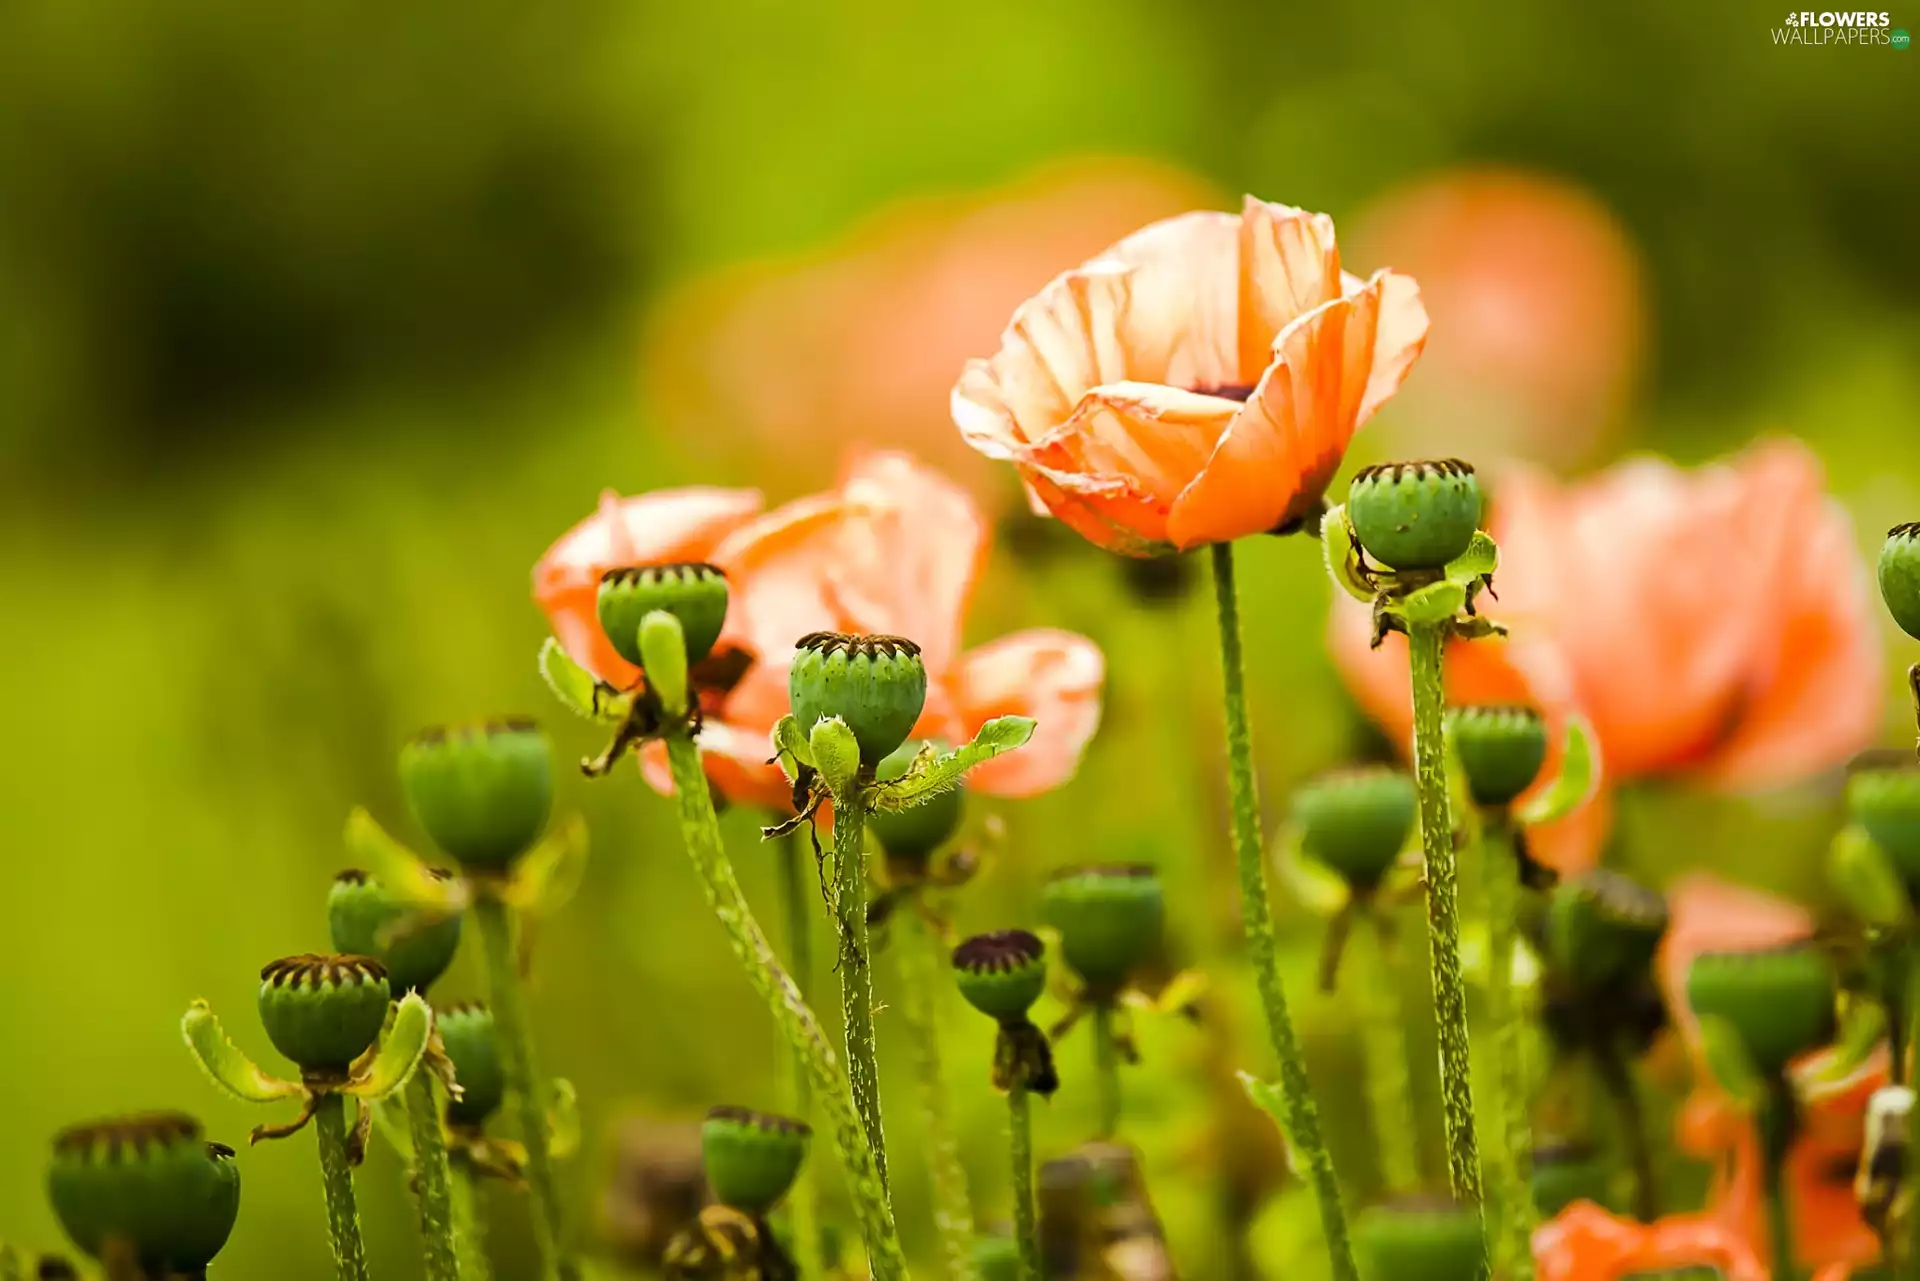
(319, 322)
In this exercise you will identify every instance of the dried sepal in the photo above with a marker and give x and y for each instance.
(791, 747)
(563, 1119)
(578, 690)
(1578, 776)
(549, 875)
(1865, 878)
(226, 1064)
(406, 876)
(400, 1052)
(1342, 553)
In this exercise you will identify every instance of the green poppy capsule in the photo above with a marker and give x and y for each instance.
(1883, 794)
(323, 1012)
(693, 592)
(483, 792)
(1418, 515)
(1780, 1000)
(1002, 974)
(1500, 748)
(1109, 919)
(1420, 1239)
(467, 1034)
(1900, 576)
(1357, 821)
(1602, 928)
(752, 1158)
(876, 684)
(152, 1184)
(911, 836)
(366, 920)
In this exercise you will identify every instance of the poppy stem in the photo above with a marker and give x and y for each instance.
(1913, 679)
(469, 1230)
(921, 982)
(1026, 1230)
(803, 1202)
(1425, 645)
(1513, 1137)
(1909, 1071)
(832, 1087)
(856, 968)
(435, 1193)
(1302, 1123)
(336, 1171)
(1106, 1071)
(1396, 1125)
(1616, 1076)
(522, 1073)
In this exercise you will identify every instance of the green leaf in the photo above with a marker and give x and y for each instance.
(578, 690)
(1860, 870)
(224, 1061)
(401, 1050)
(1730, 1064)
(836, 754)
(1575, 782)
(550, 873)
(1342, 553)
(664, 646)
(791, 746)
(1269, 1100)
(928, 778)
(1481, 558)
(1435, 603)
(399, 869)
(1311, 883)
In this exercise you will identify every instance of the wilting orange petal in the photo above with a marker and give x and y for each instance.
(1053, 676)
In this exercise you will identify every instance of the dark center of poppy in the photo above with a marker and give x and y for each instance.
(1227, 391)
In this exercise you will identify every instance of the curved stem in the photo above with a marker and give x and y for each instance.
(523, 1077)
(1303, 1119)
(1026, 1231)
(1396, 1126)
(832, 1086)
(921, 978)
(1512, 1154)
(1106, 1071)
(469, 1229)
(856, 969)
(433, 1182)
(803, 1203)
(336, 1172)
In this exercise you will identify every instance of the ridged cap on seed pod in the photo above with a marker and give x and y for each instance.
(1900, 576)
(1420, 1239)
(467, 1034)
(1780, 1000)
(1356, 821)
(1109, 919)
(996, 1258)
(1883, 794)
(1001, 974)
(1417, 515)
(482, 791)
(151, 1181)
(1500, 748)
(693, 592)
(752, 1158)
(323, 1011)
(911, 836)
(876, 684)
(1603, 927)
(366, 920)
(1567, 1172)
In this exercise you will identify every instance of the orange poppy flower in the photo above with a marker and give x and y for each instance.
(646, 529)
(896, 548)
(1196, 383)
(1715, 623)
(1585, 1243)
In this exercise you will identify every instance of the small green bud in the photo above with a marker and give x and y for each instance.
(483, 792)
(876, 684)
(1415, 515)
(149, 1182)
(911, 836)
(365, 920)
(1900, 576)
(1780, 1001)
(1883, 794)
(1357, 821)
(467, 1035)
(692, 592)
(752, 1158)
(323, 1012)
(996, 1258)
(1603, 928)
(1109, 918)
(1002, 974)
(1567, 1172)
(1500, 748)
(1420, 1239)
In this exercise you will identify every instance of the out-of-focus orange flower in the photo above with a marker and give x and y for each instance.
(790, 362)
(646, 529)
(1710, 915)
(1539, 309)
(1585, 1243)
(896, 548)
(1714, 623)
(1197, 382)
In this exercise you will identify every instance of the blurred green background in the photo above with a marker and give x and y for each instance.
(318, 323)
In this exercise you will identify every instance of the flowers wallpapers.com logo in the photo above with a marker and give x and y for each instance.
(1827, 27)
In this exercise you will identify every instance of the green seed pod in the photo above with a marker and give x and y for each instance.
(752, 1158)
(323, 1011)
(1002, 974)
(1420, 1239)
(996, 1258)
(365, 920)
(1500, 748)
(1109, 919)
(1883, 794)
(1357, 821)
(467, 1034)
(151, 1182)
(692, 592)
(1780, 1001)
(1900, 576)
(911, 836)
(1603, 928)
(1567, 1172)
(876, 684)
(483, 792)
(1415, 515)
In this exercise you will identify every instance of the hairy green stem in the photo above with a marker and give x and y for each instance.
(803, 1203)
(1512, 1155)
(1396, 1126)
(432, 1181)
(1302, 1123)
(833, 1089)
(1026, 1231)
(856, 969)
(523, 1078)
(923, 977)
(343, 1213)
(469, 1228)
(1425, 645)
